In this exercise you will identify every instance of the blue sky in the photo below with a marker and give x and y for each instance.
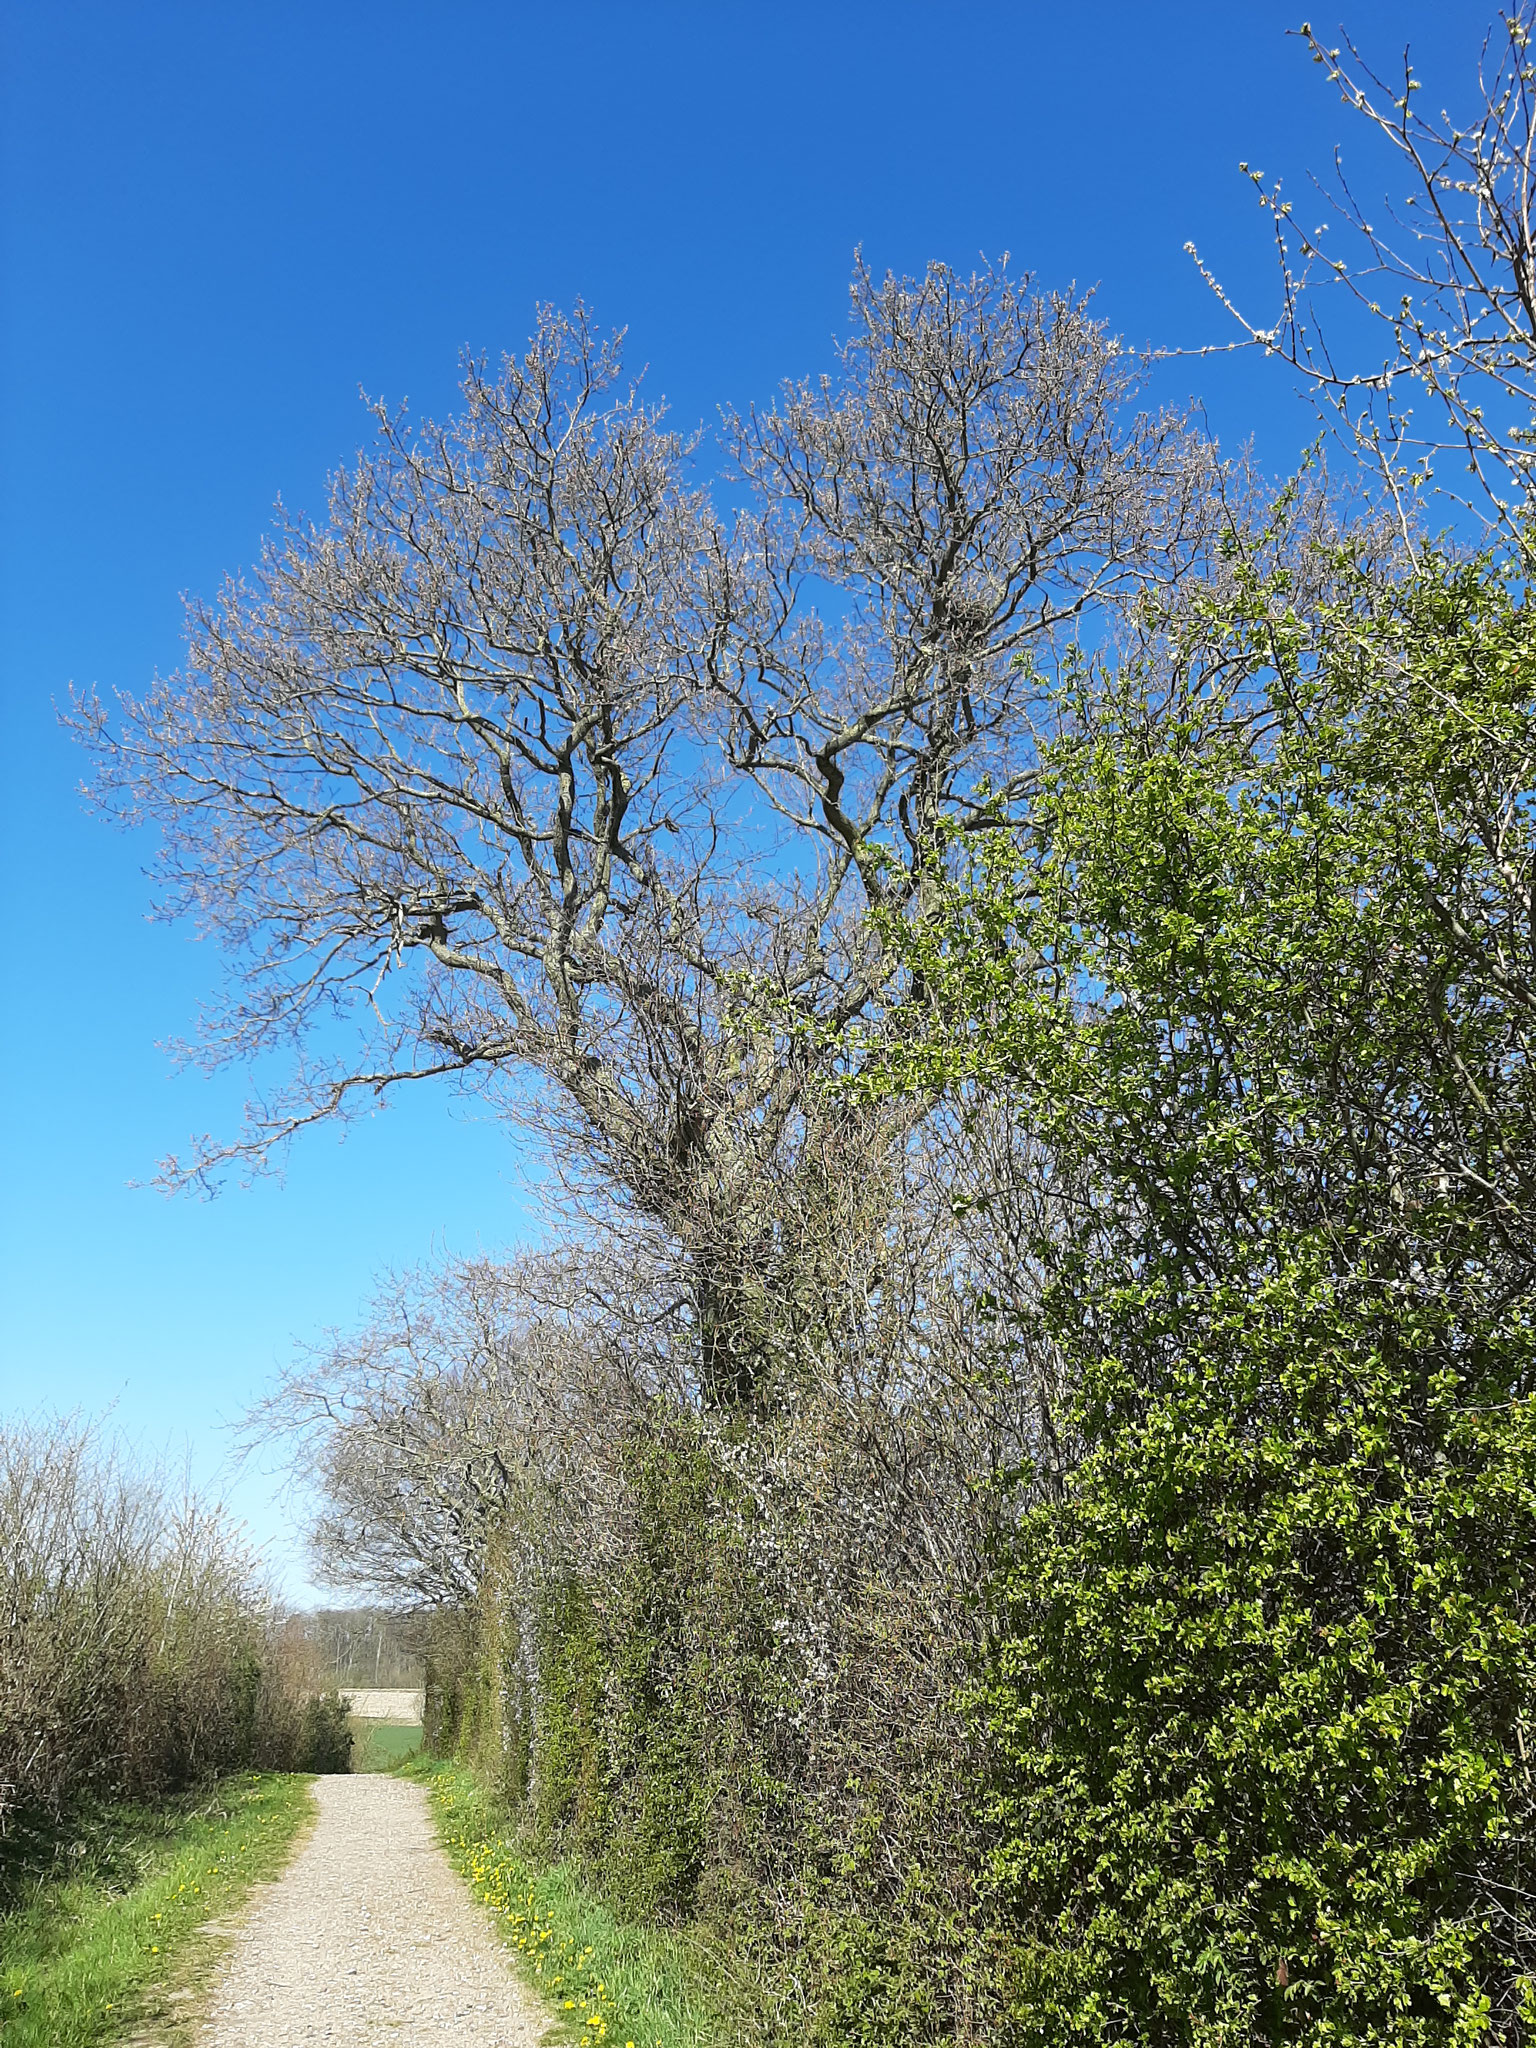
(217, 222)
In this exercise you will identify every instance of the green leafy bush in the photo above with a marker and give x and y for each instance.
(667, 1766)
(652, 1742)
(1258, 1699)
(1261, 979)
(325, 1734)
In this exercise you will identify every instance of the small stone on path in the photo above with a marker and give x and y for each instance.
(370, 1936)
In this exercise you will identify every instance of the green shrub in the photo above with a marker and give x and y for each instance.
(568, 1773)
(325, 1734)
(684, 1664)
(1260, 1704)
(665, 1767)
(647, 1744)
(1261, 1686)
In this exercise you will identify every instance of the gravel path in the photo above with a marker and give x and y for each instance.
(369, 1936)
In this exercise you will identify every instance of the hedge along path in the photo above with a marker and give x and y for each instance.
(370, 1936)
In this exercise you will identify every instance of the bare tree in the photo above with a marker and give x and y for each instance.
(1444, 276)
(471, 766)
(973, 482)
(481, 1398)
(469, 1394)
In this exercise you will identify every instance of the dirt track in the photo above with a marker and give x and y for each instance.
(368, 1937)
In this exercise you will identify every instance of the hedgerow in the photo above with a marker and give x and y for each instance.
(140, 1651)
(1259, 1705)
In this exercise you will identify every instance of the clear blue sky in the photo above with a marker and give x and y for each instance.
(218, 221)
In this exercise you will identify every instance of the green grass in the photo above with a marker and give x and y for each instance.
(624, 1987)
(105, 1915)
(380, 1745)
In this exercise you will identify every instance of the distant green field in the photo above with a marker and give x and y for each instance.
(380, 1745)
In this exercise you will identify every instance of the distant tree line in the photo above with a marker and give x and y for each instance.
(360, 1646)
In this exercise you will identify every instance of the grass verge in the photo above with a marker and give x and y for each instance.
(106, 1921)
(625, 1987)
